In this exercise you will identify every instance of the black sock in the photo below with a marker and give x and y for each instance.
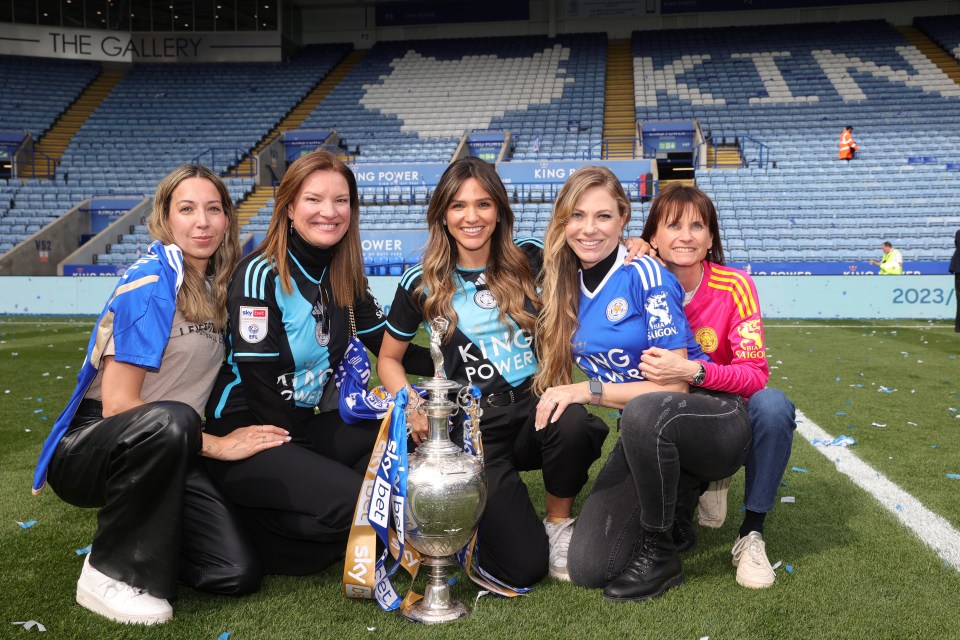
(752, 521)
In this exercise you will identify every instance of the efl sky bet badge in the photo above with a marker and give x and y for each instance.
(253, 324)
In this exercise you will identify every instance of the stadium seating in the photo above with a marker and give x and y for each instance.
(944, 30)
(796, 98)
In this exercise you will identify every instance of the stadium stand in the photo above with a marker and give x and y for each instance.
(795, 98)
(159, 117)
(944, 30)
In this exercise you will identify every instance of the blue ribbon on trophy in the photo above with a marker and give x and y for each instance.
(388, 499)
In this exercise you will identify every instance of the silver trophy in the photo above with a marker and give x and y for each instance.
(446, 493)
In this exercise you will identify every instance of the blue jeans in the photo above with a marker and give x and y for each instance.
(668, 442)
(773, 420)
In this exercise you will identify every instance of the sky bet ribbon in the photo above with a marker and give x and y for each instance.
(390, 496)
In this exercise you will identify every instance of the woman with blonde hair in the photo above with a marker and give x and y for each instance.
(482, 281)
(127, 443)
(293, 305)
(603, 315)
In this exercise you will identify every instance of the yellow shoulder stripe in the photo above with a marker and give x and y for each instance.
(739, 288)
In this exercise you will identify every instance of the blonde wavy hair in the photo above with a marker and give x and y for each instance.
(507, 273)
(558, 282)
(197, 301)
(347, 278)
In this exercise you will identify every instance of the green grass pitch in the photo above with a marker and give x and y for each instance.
(856, 571)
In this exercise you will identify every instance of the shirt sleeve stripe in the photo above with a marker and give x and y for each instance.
(407, 279)
(242, 354)
(737, 299)
(398, 332)
(742, 284)
(372, 328)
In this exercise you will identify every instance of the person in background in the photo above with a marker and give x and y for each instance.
(475, 275)
(602, 315)
(848, 148)
(955, 270)
(723, 309)
(289, 306)
(891, 264)
(130, 438)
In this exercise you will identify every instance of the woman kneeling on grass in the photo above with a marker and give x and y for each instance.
(603, 315)
(127, 443)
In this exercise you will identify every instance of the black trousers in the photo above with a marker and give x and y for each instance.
(956, 288)
(669, 444)
(513, 545)
(160, 518)
(298, 499)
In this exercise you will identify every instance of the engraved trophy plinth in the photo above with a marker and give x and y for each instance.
(446, 493)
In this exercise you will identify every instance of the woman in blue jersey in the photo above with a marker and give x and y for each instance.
(476, 276)
(289, 306)
(602, 315)
(129, 439)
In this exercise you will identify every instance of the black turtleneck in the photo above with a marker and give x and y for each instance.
(313, 259)
(593, 276)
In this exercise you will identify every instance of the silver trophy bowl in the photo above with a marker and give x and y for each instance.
(446, 494)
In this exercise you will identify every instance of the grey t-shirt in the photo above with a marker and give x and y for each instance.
(188, 369)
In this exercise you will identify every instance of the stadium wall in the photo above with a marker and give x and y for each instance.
(618, 19)
(807, 297)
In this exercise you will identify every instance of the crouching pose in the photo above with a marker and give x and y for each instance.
(602, 315)
(129, 441)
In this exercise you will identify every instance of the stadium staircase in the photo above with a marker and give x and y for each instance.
(262, 194)
(724, 156)
(54, 142)
(619, 112)
(947, 63)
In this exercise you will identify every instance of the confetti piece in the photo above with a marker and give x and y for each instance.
(480, 594)
(452, 580)
(38, 410)
(84, 551)
(777, 565)
(14, 353)
(841, 413)
(30, 624)
(27, 430)
(898, 507)
(839, 441)
(788, 499)
(934, 446)
(789, 568)
(878, 425)
(883, 389)
(224, 636)
(913, 423)
(45, 374)
(955, 476)
(952, 409)
(800, 469)
(27, 524)
(371, 629)
(838, 378)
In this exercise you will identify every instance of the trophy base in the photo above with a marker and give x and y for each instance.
(420, 612)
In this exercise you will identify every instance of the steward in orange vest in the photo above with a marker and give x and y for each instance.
(848, 148)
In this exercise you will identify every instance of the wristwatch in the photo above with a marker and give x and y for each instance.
(700, 376)
(596, 390)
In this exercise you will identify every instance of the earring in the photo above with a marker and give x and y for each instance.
(290, 228)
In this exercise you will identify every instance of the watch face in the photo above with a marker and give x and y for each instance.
(596, 387)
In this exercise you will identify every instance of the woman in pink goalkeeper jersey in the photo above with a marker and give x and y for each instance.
(723, 310)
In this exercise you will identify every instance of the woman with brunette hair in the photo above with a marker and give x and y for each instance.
(290, 305)
(723, 309)
(129, 439)
(477, 277)
(602, 315)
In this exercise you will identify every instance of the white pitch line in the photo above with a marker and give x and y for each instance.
(933, 530)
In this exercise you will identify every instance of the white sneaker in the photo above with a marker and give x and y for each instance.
(713, 504)
(750, 559)
(559, 535)
(117, 600)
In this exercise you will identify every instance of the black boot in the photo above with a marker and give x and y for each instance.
(684, 533)
(653, 568)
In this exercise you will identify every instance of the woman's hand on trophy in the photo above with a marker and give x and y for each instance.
(417, 426)
(555, 401)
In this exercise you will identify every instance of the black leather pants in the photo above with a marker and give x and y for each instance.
(161, 517)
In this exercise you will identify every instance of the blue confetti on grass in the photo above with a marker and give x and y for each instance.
(224, 636)
(84, 551)
(27, 524)
(955, 476)
(841, 413)
(789, 568)
(38, 410)
(800, 469)
(452, 580)
(934, 446)
(898, 507)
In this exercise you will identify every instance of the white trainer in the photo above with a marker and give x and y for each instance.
(750, 559)
(559, 535)
(713, 504)
(117, 600)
